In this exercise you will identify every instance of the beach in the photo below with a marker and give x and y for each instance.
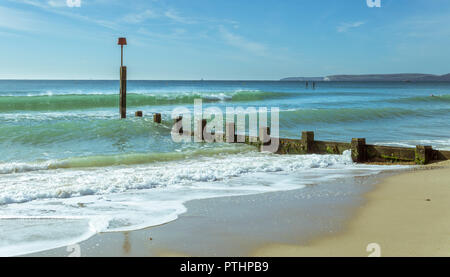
(196, 129)
(236, 226)
(407, 215)
(315, 221)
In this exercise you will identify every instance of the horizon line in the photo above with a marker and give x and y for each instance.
(199, 80)
(202, 79)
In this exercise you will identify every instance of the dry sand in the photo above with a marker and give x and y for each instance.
(406, 215)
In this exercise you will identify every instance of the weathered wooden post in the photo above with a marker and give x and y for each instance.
(264, 135)
(201, 125)
(178, 124)
(157, 118)
(359, 151)
(308, 142)
(423, 154)
(123, 82)
(230, 131)
(138, 114)
(178, 119)
(123, 92)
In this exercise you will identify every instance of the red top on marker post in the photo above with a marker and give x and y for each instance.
(122, 41)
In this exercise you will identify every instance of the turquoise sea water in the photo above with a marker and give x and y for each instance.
(68, 161)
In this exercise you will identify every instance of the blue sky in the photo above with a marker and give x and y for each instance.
(226, 39)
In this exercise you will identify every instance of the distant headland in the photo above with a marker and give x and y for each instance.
(414, 77)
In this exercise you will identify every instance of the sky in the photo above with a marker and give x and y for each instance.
(221, 39)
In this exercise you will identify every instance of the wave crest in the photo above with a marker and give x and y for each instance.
(91, 101)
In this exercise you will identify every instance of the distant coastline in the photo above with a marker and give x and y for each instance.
(406, 77)
(414, 77)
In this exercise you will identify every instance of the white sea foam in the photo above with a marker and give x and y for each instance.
(440, 144)
(61, 183)
(8, 168)
(216, 94)
(79, 203)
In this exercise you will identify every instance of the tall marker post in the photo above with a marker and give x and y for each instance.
(123, 82)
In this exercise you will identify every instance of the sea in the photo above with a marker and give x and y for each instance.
(71, 168)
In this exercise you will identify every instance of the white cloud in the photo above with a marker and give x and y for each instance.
(44, 4)
(241, 42)
(47, 6)
(17, 20)
(175, 16)
(175, 34)
(73, 3)
(140, 17)
(344, 27)
(170, 14)
(57, 3)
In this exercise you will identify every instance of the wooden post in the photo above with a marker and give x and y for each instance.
(138, 114)
(359, 151)
(121, 55)
(201, 125)
(230, 132)
(308, 141)
(423, 154)
(123, 92)
(264, 135)
(178, 119)
(178, 122)
(157, 118)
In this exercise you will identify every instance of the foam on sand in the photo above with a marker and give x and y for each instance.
(122, 198)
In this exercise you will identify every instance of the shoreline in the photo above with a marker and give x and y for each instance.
(405, 215)
(340, 218)
(238, 225)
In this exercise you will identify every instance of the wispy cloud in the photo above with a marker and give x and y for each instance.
(57, 3)
(50, 3)
(64, 3)
(163, 14)
(175, 16)
(73, 3)
(344, 27)
(242, 42)
(17, 20)
(54, 6)
(174, 34)
(140, 17)
(425, 26)
(170, 15)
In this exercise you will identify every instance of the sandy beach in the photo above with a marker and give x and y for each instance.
(406, 215)
(197, 129)
(236, 226)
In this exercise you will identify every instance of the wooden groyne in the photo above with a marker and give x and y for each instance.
(307, 144)
(361, 152)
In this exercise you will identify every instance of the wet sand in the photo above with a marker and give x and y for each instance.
(406, 215)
